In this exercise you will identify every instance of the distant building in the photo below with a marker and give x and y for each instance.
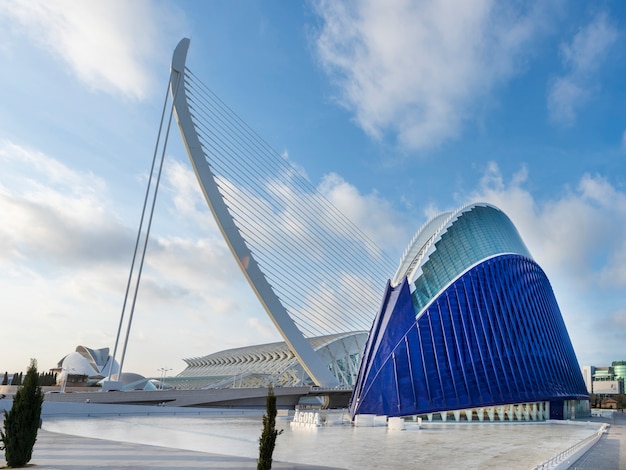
(605, 380)
(87, 367)
(275, 363)
(84, 367)
(619, 369)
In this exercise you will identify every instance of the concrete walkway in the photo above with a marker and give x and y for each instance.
(610, 451)
(64, 452)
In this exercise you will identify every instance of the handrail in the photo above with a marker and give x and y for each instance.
(587, 443)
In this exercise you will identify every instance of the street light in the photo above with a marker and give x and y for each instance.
(163, 376)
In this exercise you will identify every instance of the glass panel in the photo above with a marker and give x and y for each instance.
(477, 234)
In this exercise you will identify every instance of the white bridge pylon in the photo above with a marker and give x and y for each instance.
(201, 163)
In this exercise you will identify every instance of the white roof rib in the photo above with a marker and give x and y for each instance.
(416, 254)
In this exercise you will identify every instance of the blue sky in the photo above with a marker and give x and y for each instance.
(395, 110)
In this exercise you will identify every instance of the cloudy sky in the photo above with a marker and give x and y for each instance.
(396, 110)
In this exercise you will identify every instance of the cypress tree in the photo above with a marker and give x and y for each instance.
(17, 379)
(46, 379)
(267, 440)
(22, 421)
(5, 381)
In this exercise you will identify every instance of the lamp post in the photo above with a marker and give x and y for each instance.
(163, 376)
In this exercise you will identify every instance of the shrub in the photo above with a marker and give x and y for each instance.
(22, 421)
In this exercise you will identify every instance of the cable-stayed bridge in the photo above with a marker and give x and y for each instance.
(314, 271)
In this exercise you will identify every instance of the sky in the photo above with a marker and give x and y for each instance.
(395, 110)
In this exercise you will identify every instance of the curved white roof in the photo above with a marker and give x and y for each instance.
(428, 234)
(418, 244)
(93, 363)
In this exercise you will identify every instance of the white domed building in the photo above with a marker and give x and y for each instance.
(85, 367)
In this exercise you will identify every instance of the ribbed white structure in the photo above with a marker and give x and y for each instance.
(274, 363)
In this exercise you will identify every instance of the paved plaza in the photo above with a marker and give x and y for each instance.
(55, 451)
(62, 451)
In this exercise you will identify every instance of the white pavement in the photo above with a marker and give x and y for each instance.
(60, 451)
(64, 452)
(184, 438)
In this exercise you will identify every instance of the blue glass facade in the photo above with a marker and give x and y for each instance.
(493, 336)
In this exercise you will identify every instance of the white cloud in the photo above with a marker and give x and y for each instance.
(111, 46)
(576, 234)
(419, 69)
(375, 216)
(565, 96)
(189, 205)
(55, 213)
(581, 58)
(264, 328)
(64, 261)
(589, 46)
